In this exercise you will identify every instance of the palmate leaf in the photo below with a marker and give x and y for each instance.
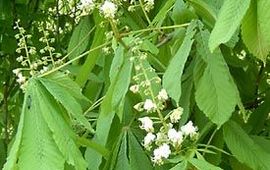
(216, 94)
(244, 148)
(256, 29)
(44, 139)
(229, 19)
(56, 122)
(37, 142)
(173, 75)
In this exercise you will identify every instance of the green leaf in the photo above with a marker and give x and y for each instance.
(229, 19)
(137, 155)
(37, 142)
(203, 165)
(173, 74)
(91, 59)
(181, 14)
(244, 148)
(80, 38)
(13, 154)
(161, 15)
(182, 165)
(67, 83)
(122, 157)
(216, 94)
(53, 115)
(112, 104)
(256, 29)
(205, 11)
(68, 101)
(117, 62)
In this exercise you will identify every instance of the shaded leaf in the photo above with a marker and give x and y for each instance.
(244, 148)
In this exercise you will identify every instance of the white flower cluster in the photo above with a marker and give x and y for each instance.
(86, 6)
(31, 64)
(108, 9)
(167, 139)
(147, 5)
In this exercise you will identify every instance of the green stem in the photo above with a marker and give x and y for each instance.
(155, 29)
(145, 13)
(74, 59)
(117, 35)
(153, 98)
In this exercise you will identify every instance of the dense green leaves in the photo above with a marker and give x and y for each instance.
(216, 94)
(229, 19)
(244, 148)
(113, 102)
(93, 106)
(172, 76)
(256, 29)
(40, 134)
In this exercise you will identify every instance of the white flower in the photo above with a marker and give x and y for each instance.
(21, 79)
(162, 95)
(161, 152)
(148, 139)
(176, 115)
(149, 105)
(147, 124)
(175, 137)
(189, 129)
(19, 59)
(134, 88)
(86, 2)
(16, 71)
(149, 5)
(108, 9)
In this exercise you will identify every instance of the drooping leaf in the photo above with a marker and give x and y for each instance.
(229, 19)
(216, 94)
(256, 29)
(173, 74)
(244, 148)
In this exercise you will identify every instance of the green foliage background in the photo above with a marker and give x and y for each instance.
(211, 55)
